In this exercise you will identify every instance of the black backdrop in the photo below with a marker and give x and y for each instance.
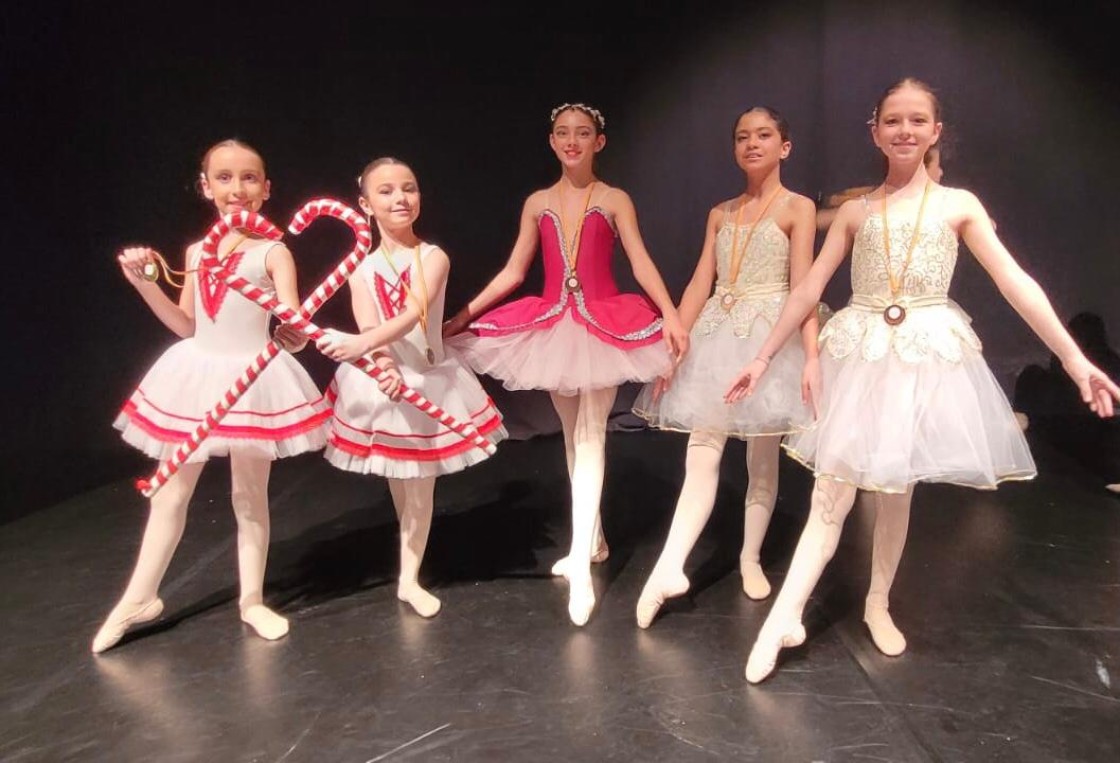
(108, 109)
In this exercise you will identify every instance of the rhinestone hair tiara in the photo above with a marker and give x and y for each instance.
(588, 110)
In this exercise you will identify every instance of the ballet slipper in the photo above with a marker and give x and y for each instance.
(116, 626)
(600, 555)
(887, 637)
(656, 591)
(422, 602)
(755, 584)
(764, 654)
(581, 599)
(266, 623)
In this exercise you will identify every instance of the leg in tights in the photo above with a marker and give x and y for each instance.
(892, 520)
(166, 519)
(694, 506)
(831, 503)
(249, 481)
(567, 408)
(414, 500)
(763, 454)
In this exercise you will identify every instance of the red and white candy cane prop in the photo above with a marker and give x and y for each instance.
(262, 227)
(268, 301)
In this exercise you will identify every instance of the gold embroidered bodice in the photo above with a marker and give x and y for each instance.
(933, 322)
(762, 283)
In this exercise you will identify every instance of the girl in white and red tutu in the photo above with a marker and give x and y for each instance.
(907, 396)
(581, 338)
(398, 295)
(755, 246)
(282, 414)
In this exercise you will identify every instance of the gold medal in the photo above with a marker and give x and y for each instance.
(573, 283)
(151, 272)
(894, 314)
(431, 354)
(727, 302)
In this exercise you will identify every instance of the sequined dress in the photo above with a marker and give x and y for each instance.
(727, 335)
(282, 414)
(914, 402)
(581, 333)
(371, 434)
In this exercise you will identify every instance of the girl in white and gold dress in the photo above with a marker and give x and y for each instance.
(907, 396)
(756, 245)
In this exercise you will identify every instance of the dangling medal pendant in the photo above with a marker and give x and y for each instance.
(727, 301)
(431, 355)
(571, 247)
(894, 314)
(151, 272)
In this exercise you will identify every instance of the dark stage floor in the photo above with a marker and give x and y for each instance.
(1010, 601)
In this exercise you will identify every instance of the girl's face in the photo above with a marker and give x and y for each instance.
(234, 180)
(758, 142)
(574, 138)
(906, 127)
(392, 196)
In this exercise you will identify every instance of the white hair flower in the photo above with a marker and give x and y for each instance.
(590, 111)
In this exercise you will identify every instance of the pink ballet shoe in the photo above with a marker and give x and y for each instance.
(886, 636)
(654, 595)
(114, 629)
(764, 654)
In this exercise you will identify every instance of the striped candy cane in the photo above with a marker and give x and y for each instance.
(269, 302)
(258, 225)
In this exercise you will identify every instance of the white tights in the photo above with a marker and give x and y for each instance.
(694, 507)
(831, 503)
(413, 501)
(167, 518)
(584, 421)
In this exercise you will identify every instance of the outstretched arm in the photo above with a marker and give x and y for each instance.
(802, 299)
(1029, 300)
(646, 272)
(509, 277)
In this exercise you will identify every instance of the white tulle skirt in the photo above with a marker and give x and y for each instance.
(371, 434)
(282, 414)
(564, 358)
(694, 400)
(887, 423)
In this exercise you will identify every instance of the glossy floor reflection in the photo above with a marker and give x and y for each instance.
(1010, 601)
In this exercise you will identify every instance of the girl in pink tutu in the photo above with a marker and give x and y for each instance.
(907, 396)
(581, 338)
(398, 295)
(756, 245)
(282, 414)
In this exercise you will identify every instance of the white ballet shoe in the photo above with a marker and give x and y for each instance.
(764, 654)
(420, 599)
(265, 622)
(115, 627)
(581, 599)
(755, 584)
(886, 636)
(600, 555)
(654, 595)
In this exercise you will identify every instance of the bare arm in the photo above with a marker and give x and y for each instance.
(345, 347)
(177, 317)
(803, 298)
(1029, 300)
(699, 288)
(509, 277)
(646, 273)
(802, 236)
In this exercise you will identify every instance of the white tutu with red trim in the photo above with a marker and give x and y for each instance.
(371, 434)
(282, 414)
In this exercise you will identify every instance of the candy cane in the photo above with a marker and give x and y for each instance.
(262, 227)
(269, 302)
